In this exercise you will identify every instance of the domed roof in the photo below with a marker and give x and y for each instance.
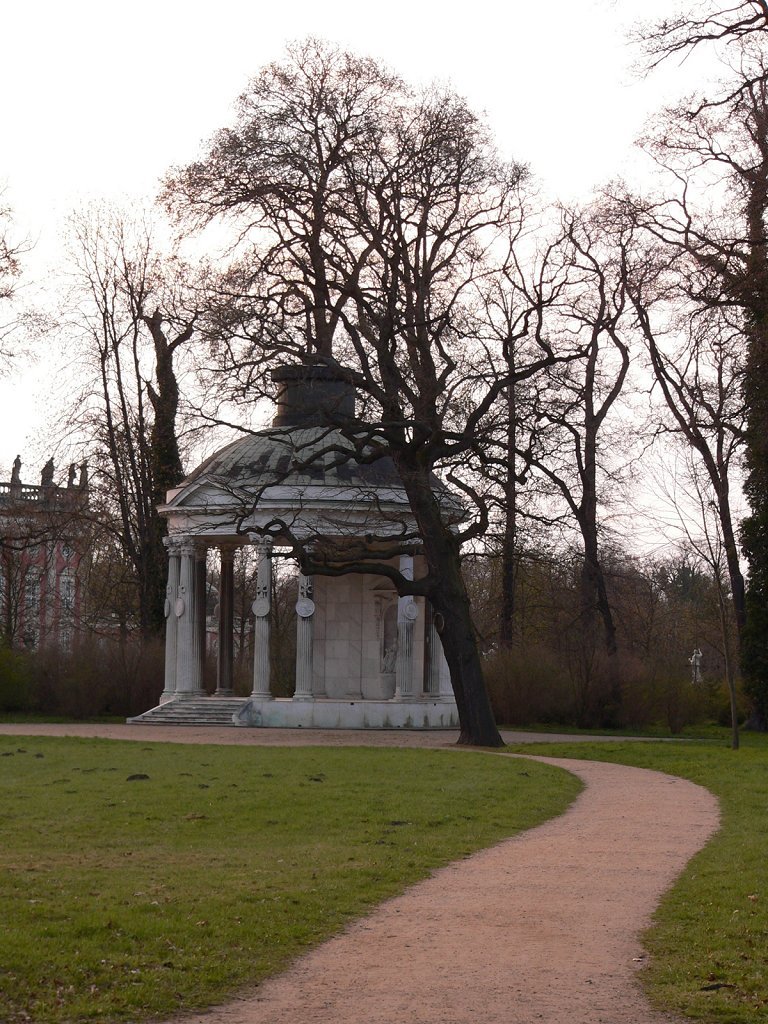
(294, 457)
(304, 470)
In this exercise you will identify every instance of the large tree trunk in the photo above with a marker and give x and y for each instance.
(594, 598)
(594, 594)
(754, 650)
(165, 467)
(450, 600)
(735, 575)
(754, 647)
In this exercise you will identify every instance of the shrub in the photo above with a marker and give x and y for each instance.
(98, 677)
(16, 688)
(527, 685)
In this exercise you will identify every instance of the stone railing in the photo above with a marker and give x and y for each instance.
(49, 495)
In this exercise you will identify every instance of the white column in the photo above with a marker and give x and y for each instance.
(439, 667)
(305, 611)
(261, 609)
(201, 593)
(171, 620)
(225, 654)
(407, 613)
(446, 686)
(434, 652)
(189, 681)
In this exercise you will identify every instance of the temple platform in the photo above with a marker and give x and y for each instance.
(318, 713)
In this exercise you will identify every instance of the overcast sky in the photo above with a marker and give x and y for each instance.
(99, 99)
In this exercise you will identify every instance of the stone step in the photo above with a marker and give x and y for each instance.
(194, 711)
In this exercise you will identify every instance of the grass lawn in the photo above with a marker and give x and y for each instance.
(709, 940)
(140, 879)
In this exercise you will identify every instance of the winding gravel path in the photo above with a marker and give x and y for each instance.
(543, 927)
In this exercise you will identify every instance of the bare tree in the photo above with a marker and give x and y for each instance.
(130, 323)
(696, 500)
(517, 307)
(711, 224)
(702, 24)
(570, 445)
(9, 255)
(697, 356)
(280, 176)
(371, 219)
(11, 251)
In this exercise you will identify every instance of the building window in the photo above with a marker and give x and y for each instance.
(67, 592)
(32, 609)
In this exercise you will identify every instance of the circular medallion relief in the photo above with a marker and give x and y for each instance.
(167, 607)
(411, 612)
(179, 607)
(305, 607)
(260, 607)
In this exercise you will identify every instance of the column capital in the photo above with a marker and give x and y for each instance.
(193, 546)
(263, 543)
(227, 550)
(305, 605)
(172, 544)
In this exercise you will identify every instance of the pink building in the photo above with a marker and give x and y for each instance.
(41, 555)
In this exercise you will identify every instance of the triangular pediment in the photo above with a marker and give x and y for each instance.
(201, 493)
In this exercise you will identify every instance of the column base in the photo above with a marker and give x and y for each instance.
(256, 695)
(189, 694)
(305, 697)
(224, 691)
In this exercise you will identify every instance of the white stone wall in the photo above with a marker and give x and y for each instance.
(338, 636)
(349, 638)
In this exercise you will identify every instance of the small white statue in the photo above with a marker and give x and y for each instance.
(695, 662)
(389, 660)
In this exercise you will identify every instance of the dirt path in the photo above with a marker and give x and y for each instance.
(543, 927)
(282, 737)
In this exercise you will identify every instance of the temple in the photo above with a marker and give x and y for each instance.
(365, 657)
